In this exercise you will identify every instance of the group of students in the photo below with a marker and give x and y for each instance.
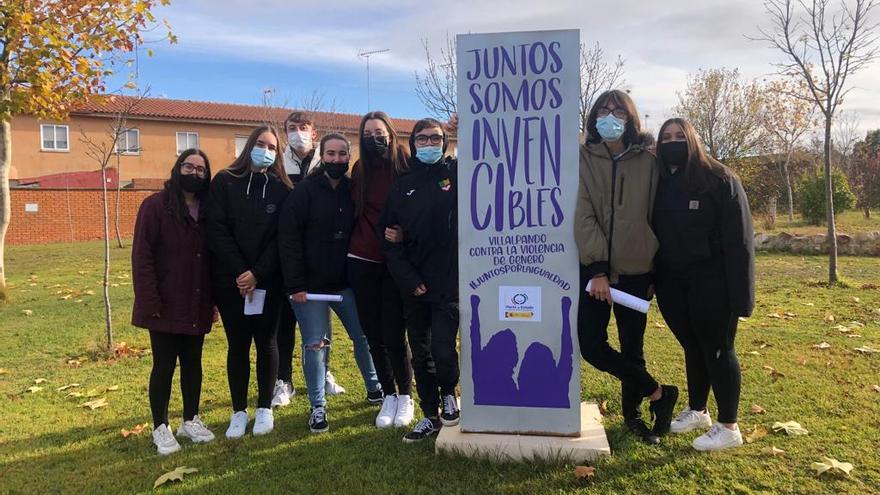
(285, 234)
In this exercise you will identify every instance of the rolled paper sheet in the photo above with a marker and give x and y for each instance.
(627, 300)
(324, 297)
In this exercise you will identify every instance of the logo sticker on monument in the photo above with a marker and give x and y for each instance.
(516, 303)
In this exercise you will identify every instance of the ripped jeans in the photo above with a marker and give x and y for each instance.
(314, 326)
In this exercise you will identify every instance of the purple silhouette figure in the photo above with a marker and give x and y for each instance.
(541, 382)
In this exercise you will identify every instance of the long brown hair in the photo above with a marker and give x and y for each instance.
(633, 127)
(700, 169)
(174, 199)
(364, 166)
(243, 163)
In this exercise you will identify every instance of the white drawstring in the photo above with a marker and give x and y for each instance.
(265, 184)
(248, 192)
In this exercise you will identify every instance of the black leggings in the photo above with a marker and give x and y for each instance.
(628, 365)
(240, 331)
(432, 328)
(697, 311)
(380, 311)
(167, 349)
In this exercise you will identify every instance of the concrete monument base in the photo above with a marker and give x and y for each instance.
(591, 443)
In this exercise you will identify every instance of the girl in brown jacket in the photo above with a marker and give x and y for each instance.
(618, 178)
(172, 293)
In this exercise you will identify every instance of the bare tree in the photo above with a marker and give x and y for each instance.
(435, 86)
(725, 111)
(845, 135)
(823, 46)
(102, 149)
(597, 76)
(786, 119)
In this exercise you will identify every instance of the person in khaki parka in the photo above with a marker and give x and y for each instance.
(618, 179)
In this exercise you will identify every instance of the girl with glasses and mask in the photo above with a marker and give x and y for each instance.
(425, 266)
(172, 293)
(245, 200)
(383, 158)
(705, 276)
(314, 234)
(618, 180)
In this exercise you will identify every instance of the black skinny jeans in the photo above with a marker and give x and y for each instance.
(432, 328)
(380, 311)
(167, 348)
(695, 306)
(240, 330)
(628, 365)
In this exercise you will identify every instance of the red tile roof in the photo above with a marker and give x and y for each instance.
(165, 109)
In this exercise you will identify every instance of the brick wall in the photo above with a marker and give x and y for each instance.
(66, 216)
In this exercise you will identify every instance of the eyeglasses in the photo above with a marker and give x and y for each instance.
(189, 168)
(433, 139)
(620, 113)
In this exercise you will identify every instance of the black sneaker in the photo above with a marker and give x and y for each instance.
(375, 396)
(450, 414)
(641, 430)
(318, 420)
(424, 429)
(663, 408)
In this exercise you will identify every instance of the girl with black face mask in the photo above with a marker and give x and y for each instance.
(705, 276)
(313, 236)
(380, 306)
(172, 293)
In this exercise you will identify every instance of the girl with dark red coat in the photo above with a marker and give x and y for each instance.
(172, 293)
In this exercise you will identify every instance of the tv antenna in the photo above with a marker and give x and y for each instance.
(367, 56)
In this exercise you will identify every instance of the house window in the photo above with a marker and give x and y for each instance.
(54, 137)
(187, 140)
(129, 142)
(240, 142)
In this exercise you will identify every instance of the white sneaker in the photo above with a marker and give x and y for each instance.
(282, 393)
(264, 421)
(718, 438)
(387, 412)
(689, 420)
(331, 387)
(405, 411)
(195, 430)
(237, 424)
(165, 441)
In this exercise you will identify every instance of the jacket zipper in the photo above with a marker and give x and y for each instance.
(611, 227)
(620, 193)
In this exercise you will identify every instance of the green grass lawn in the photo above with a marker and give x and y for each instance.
(848, 222)
(48, 444)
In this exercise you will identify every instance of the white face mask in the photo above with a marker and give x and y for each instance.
(300, 140)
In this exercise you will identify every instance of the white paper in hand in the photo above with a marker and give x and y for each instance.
(626, 300)
(253, 304)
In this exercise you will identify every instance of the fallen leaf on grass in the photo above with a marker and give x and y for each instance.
(856, 299)
(829, 318)
(27, 312)
(603, 408)
(68, 296)
(75, 395)
(772, 451)
(89, 292)
(584, 472)
(802, 361)
(112, 388)
(65, 387)
(137, 430)
(853, 336)
(94, 392)
(3, 371)
(176, 475)
(34, 389)
(808, 304)
(39, 381)
(866, 350)
(94, 404)
(774, 315)
(754, 353)
(74, 362)
(774, 373)
(755, 434)
(832, 466)
(789, 314)
(756, 409)
(790, 428)
(822, 345)
(876, 388)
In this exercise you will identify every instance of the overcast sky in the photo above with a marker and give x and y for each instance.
(231, 50)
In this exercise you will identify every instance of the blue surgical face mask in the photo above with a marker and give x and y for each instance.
(610, 127)
(429, 155)
(262, 157)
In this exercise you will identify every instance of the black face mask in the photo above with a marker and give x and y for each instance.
(674, 153)
(192, 183)
(376, 145)
(335, 170)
